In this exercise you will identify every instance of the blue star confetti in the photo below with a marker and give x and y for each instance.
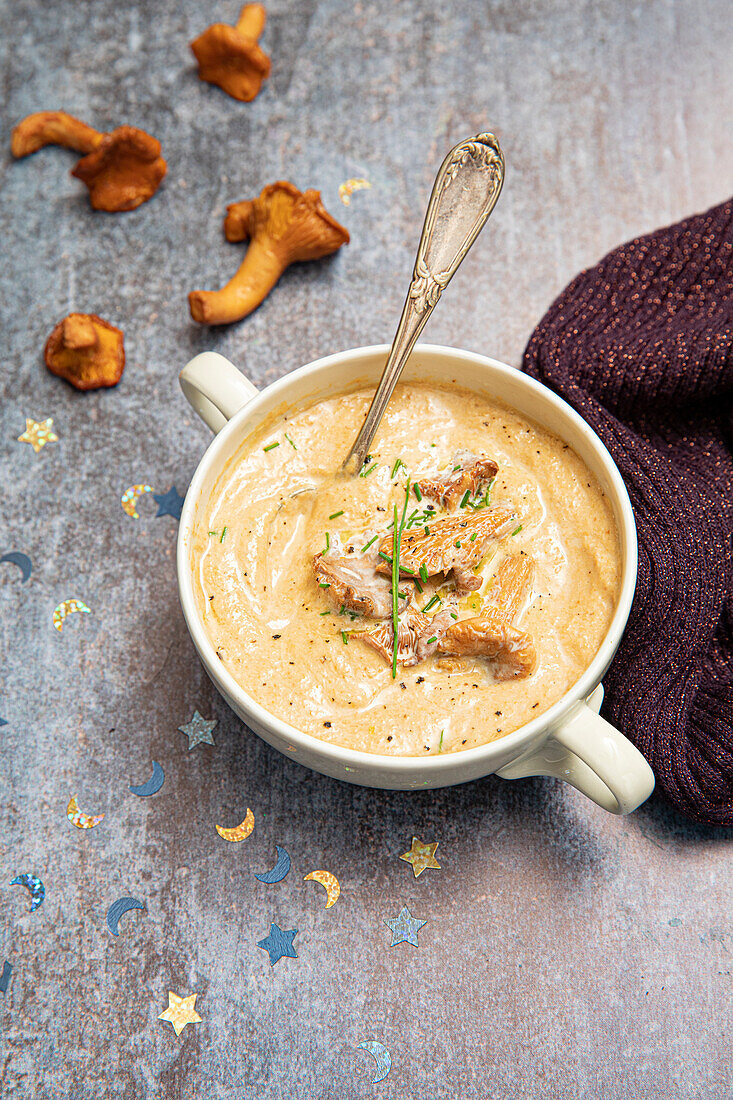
(5, 976)
(404, 928)
(198, 731)
(279, 944)
(169, 504)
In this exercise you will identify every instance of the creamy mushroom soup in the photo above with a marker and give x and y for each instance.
(481, 535)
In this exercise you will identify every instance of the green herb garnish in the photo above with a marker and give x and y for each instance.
(465, 499)
(223, 534)
(417, 491)
(213, 532)
(473, 536)
(440, 743)
(457, 543)
(336, 514)
(370, 543)
(366, 473)
(322, 584)
(344, 637)
(433, 639)
(271, 447)
(396, 467)
(424, 572)
(325, 613)
(386, 557)
(290, 441)
(432, 601)
(517, 530)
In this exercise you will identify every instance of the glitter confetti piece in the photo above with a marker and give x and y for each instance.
(130, 498)
(68, 607)
(279, 944)
(381, 1056)
(5, 976)
(239, 832)
(421, 856)
(81, 820)
(21, 560)
(180, 1011)
(404, 928)
(330, 884)
(3, 722)
(38, 433)
(198, 731)
(36, 887)
(279, 871)
(153, 785)
(169, 504)
(347, 188)
(116, 910)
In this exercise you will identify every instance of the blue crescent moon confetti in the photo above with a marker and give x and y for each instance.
(5, 976)
(116, 910)
(36, 887)
(279, 944)
(153, 784)
(381, 1056)
(279, 871)
(15, 557)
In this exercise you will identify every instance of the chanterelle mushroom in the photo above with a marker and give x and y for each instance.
(122, 169)
(230, 57)
(87, 351)
(283, 225)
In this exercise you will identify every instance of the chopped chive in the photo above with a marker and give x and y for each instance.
(418, 586)
(402, 595)
(396, 467)
(417, 491)
(456, 467)
(370, 543)
(395, 602)
(454, 616)
(342, 609)
(517, 530)
(424, 572)
(290, 441)
(366, 473)
(336, 514)
(431, 602)
(473, 536)
(433, 639)
(385, 557)
(223, 534)
(271, 447)
(325, 613)
(213, 532)
(427, 530)
(464, 500)
(344, 637)
(406, 570)
(328, 541)
(322, 584)
(440, 743)
(458, 543)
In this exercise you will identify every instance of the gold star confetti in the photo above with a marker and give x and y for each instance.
(38, 433)
(421, 856)
(347, 188)
(180, 1011)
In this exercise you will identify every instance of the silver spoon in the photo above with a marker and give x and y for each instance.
(464, 194)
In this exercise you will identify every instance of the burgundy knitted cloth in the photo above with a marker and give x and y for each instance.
(642, 346)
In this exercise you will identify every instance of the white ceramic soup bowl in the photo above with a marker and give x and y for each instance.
(569, 740)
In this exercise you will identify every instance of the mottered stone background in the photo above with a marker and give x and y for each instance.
(566, 953)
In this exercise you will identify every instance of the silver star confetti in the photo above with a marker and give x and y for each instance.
(198, 731)
(404, 928)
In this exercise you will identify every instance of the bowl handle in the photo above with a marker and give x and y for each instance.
(590, 754)
(215, 389)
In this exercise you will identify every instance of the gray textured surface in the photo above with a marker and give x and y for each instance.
(566, 953)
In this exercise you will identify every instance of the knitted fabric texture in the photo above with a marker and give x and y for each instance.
(642, 346)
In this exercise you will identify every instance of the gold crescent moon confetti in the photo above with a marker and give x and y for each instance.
(81, 820)
(130, 497)
(347, 188)
(38, 433)
(68, 607)
(329, 882)
(240, 832)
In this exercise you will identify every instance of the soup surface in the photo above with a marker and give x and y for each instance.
(277, 620)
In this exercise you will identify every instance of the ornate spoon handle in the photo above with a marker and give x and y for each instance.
(464, 194)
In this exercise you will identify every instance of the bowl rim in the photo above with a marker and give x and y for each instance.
(522, 739)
